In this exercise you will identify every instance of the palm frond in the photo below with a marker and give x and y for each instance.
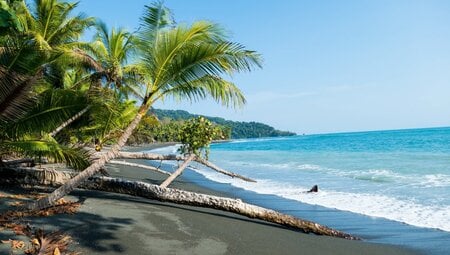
(220, 90)
(53, 107)
(155, 18)
(74, 157)
(186, 56)
(16, 95)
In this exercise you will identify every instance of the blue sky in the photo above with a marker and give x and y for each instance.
(329, 66)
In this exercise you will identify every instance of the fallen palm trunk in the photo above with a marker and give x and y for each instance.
(175, 174)
(153, 156)
(117, 162)
(28, 176)
(222, 171)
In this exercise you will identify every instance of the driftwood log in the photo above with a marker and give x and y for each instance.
(29, 176)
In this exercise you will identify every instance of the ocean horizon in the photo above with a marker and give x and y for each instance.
(389, 186)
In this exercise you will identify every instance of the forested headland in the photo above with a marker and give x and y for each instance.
(161, 125)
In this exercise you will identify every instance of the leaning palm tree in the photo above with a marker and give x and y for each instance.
(184, 62)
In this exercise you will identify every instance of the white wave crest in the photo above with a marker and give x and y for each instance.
(374, 205)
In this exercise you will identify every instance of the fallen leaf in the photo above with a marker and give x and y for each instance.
(16, 244)
(19, 229)
(56, 251)
(35, 242)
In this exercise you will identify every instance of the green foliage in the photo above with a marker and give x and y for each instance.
(105, 122)
(48, 77)
(33, 57)
(196, 136)
(52, 108)
(238, 129)
(49, 148)
(151, 130)
(9, 21)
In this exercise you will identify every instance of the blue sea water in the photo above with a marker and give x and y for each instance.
(387, 186)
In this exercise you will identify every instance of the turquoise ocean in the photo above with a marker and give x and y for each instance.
(386, 186)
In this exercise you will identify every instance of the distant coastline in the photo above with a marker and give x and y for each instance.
(239, 129)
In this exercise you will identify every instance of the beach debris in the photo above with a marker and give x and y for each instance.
(55, 243)
(15, 244)
(40, 243)
(314, 188)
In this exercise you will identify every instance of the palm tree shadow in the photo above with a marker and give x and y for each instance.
(91, 231)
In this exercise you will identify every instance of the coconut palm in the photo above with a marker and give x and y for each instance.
(110, 51)
(31, 60)
(185, 62)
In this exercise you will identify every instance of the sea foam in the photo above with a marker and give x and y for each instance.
(373, 205)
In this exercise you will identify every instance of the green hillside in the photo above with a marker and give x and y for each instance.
(238, 129)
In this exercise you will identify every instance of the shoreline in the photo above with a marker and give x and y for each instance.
(109, 223)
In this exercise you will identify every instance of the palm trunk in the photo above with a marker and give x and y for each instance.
(124, 163)
(172, 177)
(91, 170)
(153, 156)
(220, 170)
(69, 121)
(27, 176)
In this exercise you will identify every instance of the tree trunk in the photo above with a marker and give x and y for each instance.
(153, 156)
(91, 170)
(175, 174)
(117, 162)
(55, 178)
(222, 171)
(69, 121)
(149, 156)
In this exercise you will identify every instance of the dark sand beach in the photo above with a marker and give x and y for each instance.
(109, 223)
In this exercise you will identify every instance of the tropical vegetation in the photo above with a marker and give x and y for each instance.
(44, 61)
(236, 129)
(152, 129)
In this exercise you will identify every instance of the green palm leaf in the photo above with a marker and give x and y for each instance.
(74, 157)
(53, 107)
(156, 17)
(189, 62)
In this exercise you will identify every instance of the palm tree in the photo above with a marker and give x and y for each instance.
(110, 51)
(176, 61)
(30, 63)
